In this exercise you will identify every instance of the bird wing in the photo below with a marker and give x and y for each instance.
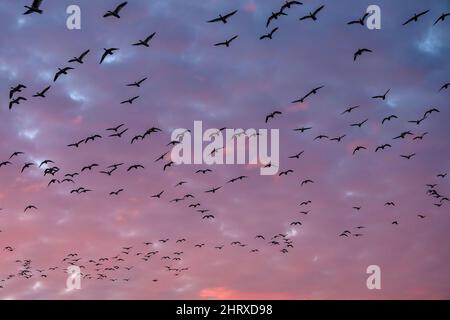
(120, 7)
(229, 14)
(318, 9)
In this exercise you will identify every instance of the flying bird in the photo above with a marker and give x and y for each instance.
(272, 115)
(359, 21)
(360, 52)
(16, 89)
(359, 124)
(80, 58)
(389, 118)
(382, 97)
(296, 156)
(137, 83)
(313, 14)
(16, 101)
(34, 8)
(313, 91)
(130, 101)
(442, 17)
(288, 4)
(116, 11)
(269, 35)
(285, 172)
(108, 52)
(61, 72)
(145, 41)
(350, 109)
(444, 86)
(359, 148)
(408, 156)
(275, 16)
(416, 17)
(42, 93)
(225, 43)
(382, 147)
(223, 18)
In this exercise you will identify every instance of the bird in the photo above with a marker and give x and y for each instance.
(208, 216)
(444, 86)
(408, 156)
(312, 15)
(80, 58)
(42, 93)
(45, 162)
(303, 129)
(119, 134)
(296, 223)
(338, 139)
(5, 163)
(274, 16)
(213, 190)
(272, 115)
(288, 4)
(442, 175)
(320, 137)
(204, 171)
(442, 17)
(15, 154)
(285, 172)
(236, 179)
(223, 18)
(76, 145)
(158, 195)
(417, 122)
(349, 110)
(61, 72)
(116, 128)
(313, 91)
(16, 101)
(421, 216)
(296, 156)
(92, 138)
(416, 17)
(389, 204)
(26, 166)
(137, 83)
(359, 148)
(403, 135)
(269, 35)
(382, 97)
(359, 124)
(360, 20)
(226, 43)
(116, 193)
(168, 165)
(359, 52)
(116, 11)
(145, 41)
(135, 167)
(16, 89)
(304, 182)
(30, 207)
(34, 8)
(430, 111)
(382, 147)
(108, 52)
(389, 118)
(90, 167)
(131, 100)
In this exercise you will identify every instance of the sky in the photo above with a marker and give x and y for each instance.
(190, 79)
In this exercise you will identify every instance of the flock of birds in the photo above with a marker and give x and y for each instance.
(128, 258)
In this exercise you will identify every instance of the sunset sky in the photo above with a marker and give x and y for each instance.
(190, 79)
